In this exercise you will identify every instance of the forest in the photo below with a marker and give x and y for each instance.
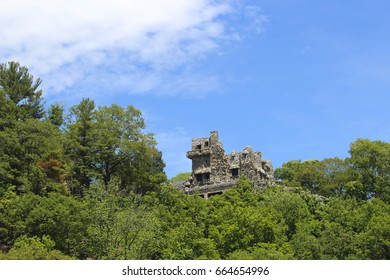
(87, 182)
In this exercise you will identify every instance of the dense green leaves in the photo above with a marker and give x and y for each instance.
(33, 248)
(108, 142)
(370, 159)
(56, 115)
(366, 174)
(118, 227)
(79, 145)
(167, 224)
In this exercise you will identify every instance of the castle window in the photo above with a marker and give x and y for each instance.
(232, 158)
(198, 147)
(207, 176)
(206, 144)
(199, 177)
(234, 172)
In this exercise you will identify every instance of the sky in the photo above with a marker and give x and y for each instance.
(294, 79)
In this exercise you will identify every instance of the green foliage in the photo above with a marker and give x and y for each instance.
(109, 142)
(58, 216)
(79, 145)
(179, 179)
(240, 219)
(31, 158)
(20, 92)
(327, 177)
(33, 248)
(374, 241)
(8, 111)
(371, 160)
(264, 251)
(187, 241)
(366, 174)
(292, 207)
(56, 115)
(40, 146)
(118, 227)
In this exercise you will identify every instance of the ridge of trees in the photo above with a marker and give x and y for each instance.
(90, 184)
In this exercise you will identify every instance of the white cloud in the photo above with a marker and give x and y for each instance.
(67, 41)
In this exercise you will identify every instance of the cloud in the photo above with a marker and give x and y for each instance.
(68, 41)
(256, 18)
(135, 45)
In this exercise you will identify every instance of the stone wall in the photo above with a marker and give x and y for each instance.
(213, 171)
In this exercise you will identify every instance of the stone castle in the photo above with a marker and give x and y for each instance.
(213, 171)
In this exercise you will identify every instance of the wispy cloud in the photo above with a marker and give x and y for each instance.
(129, 43)
(255, 18)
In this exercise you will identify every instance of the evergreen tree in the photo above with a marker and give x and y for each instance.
(79, 145)
(18, 87)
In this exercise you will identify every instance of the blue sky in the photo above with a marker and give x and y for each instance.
(294, 79)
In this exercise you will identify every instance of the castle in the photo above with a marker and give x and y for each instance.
(213, 171)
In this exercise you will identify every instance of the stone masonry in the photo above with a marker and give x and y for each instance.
(213, 171)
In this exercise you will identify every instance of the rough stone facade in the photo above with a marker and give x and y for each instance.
(213, 171)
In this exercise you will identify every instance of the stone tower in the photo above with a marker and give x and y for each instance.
(213, 172)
